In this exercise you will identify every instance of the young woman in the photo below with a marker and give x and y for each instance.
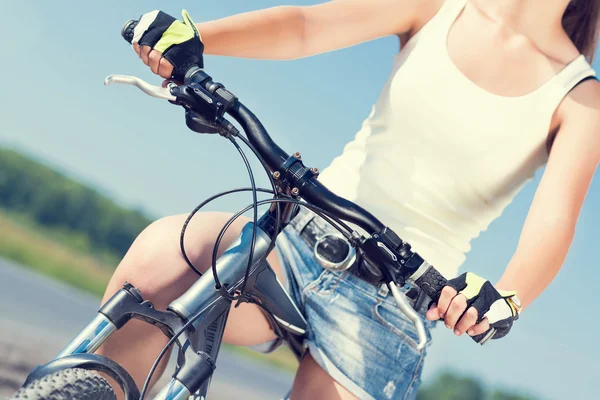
(481, 95)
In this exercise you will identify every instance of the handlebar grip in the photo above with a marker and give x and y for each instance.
(127, 30)
(432, 283)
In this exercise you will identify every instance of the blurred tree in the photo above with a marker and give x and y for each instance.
(448, 386)
(451, 387)
(54, 200)
(497, 395)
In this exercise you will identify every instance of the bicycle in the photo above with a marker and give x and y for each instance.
(195, 322)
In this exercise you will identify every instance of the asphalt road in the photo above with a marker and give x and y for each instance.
(38, 316)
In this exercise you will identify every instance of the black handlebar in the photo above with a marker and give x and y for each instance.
(313, 191)
(275, 157)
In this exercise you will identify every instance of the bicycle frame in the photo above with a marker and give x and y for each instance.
(202, 308)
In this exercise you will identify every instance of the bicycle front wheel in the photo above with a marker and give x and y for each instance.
(72, 383)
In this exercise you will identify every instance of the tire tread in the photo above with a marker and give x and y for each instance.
(71, 384)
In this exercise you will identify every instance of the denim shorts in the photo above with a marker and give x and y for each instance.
(356, 332)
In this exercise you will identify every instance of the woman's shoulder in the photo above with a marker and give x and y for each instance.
(578, 115)
(583, 101)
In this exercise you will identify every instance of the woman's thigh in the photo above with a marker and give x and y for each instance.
(312, 382)
(155, 265)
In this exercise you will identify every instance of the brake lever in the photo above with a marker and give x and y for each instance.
(410, 313)
(151, 90)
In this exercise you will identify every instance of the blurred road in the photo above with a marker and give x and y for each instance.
(38, 316)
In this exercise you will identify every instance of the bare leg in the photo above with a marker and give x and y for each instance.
(313, 383)
(154, 265)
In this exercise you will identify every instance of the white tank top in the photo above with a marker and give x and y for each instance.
(439, 157)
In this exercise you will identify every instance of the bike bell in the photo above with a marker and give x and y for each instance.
(333, 252)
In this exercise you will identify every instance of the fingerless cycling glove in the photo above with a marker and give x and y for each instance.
(488, 301)
(180, 42)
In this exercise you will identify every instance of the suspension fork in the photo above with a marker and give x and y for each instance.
(204, 334)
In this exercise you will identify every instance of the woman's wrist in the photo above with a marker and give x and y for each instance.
(515, 304)
(511, 284)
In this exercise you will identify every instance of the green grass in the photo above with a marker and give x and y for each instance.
(41, 250)
(69, 239)
(62, 255)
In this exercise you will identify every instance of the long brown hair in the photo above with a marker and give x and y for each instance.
(581, 21)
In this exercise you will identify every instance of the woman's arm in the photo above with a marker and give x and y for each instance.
(550, 223)
(289, 32)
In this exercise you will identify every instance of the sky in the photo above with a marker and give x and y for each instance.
(137, 150)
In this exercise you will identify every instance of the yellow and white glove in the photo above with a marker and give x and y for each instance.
(499, 307)
(178, 41)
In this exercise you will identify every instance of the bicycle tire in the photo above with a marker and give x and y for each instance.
(67, 384)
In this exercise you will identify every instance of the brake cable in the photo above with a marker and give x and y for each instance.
(277, 215)
(218, 286)
(338, 224)
(198, 208)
